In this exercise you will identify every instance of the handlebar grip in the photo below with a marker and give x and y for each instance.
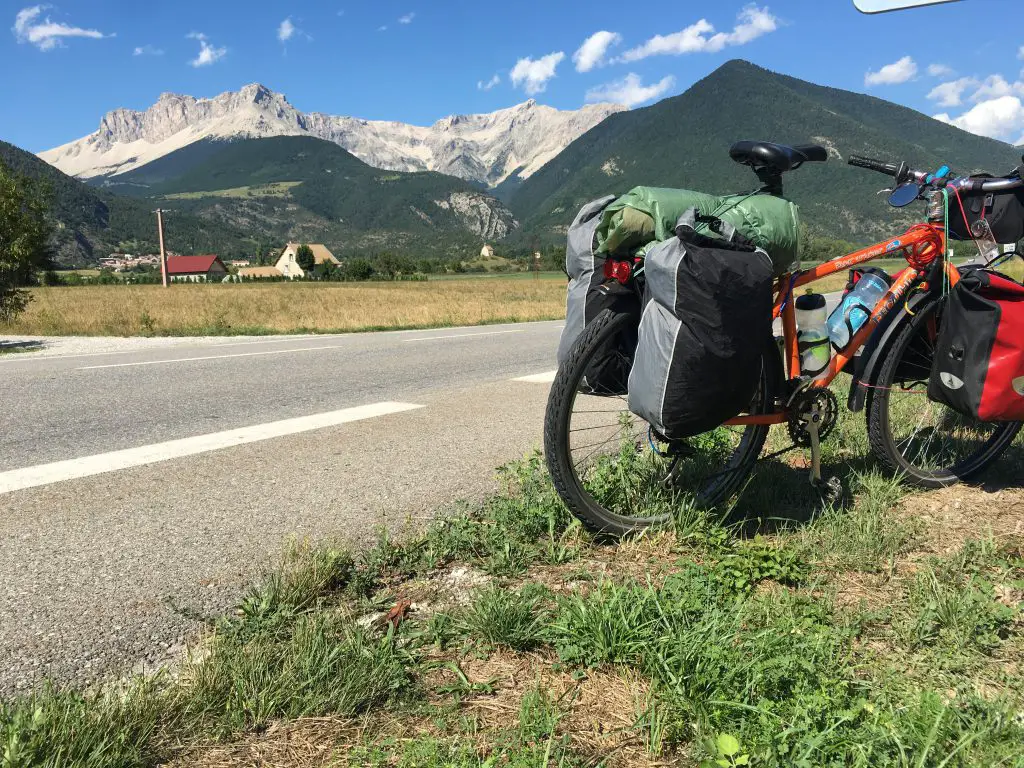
(874, 165)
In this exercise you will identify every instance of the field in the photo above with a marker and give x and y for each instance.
(184, 310)
(883, 631)
(274, 189)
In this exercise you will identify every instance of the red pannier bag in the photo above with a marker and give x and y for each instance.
(979, 355)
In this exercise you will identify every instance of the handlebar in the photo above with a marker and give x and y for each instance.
(970, 184)
(875, 165)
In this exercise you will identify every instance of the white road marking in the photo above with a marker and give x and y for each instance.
(58, 471)
(539, 378)
(458, 336)
(210, 357)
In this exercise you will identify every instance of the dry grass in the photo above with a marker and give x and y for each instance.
(307, 742)
(119, 310)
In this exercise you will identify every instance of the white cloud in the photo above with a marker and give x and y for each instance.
(407, 19)
(1020, 53)
(893, 74)
(951, 94)
(939, 70)
(533, 75)
(43, 33)
(147, 50)
(700, 37)
(1001, 118)
(630, 90)
(207, 53)
(998, 110)
(996, 86)
(286, 30)
(591, 53)
(486, 86)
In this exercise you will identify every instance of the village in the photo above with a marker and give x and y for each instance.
(296, 261)
(211, 268)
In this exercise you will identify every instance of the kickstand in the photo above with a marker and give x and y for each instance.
(831, 489)
(812, 430)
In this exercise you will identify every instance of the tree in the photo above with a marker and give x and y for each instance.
(304, 258)
(24, 238)
(325, 270)
(358, 269)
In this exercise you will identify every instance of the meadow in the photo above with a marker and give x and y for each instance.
(243, 309)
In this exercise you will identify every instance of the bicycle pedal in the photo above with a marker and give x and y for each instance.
(831, 490)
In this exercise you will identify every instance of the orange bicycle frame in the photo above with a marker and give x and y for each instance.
(918, 244)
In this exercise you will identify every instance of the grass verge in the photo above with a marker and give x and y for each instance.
(504, 635)
(254, 309)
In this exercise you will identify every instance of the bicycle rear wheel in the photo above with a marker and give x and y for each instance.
(929, 444)
(609, 467)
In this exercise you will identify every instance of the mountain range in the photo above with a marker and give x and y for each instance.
(487, 148)
(683, 141)
(235, 185)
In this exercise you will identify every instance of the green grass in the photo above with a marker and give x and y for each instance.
(273, 189)
(505, 618)
(748, 649)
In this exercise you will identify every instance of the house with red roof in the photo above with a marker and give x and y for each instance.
(196, 269)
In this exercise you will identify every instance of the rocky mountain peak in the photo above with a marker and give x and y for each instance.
(485, 148)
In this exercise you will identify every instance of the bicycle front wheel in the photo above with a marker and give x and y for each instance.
(607, 464)
(929, 444)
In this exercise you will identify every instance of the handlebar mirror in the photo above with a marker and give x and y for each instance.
(904, 195)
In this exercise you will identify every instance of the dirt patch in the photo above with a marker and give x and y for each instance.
(952, 516)
(305, 743)
(599, 711)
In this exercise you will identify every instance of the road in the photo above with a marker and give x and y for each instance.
(144, 488)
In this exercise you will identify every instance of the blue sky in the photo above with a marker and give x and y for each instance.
(64, 65)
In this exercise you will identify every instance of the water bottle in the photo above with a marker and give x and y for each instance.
(812, 335)
(855, 309)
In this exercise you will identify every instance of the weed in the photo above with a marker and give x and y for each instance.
(115, 729)
(611, 625)
(324, 666)
(503, 617)
(304, 580)
(727, 753)
(147, 325)
(868, 536)
(753, 563)
(961, 614)
(539, 716)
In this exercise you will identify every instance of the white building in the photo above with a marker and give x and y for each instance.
(289, 267)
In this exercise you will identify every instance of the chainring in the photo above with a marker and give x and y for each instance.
(802, 410)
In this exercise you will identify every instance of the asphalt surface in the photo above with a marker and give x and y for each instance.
(114, 572)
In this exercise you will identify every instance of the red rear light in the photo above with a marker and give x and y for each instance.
(617, 270)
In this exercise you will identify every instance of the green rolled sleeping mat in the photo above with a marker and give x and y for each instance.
(648, 214)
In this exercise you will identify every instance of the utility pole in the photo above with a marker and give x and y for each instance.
(163, 251)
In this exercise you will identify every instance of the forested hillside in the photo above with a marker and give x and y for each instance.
(91, 223)
(684, 142)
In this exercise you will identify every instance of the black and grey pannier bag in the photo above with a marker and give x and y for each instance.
(590, 293)
(1004, 213)
(705, 326)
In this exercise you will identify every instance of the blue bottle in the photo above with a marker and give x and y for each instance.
(855, 309)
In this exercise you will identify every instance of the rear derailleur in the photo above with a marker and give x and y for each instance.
(814, 412)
